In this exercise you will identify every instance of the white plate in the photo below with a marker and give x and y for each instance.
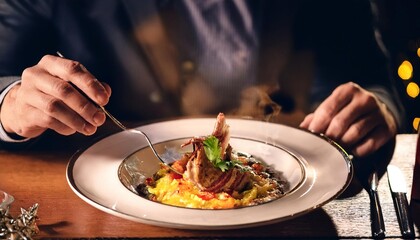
(317, 169)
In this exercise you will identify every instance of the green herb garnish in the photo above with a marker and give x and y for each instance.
(214, 153)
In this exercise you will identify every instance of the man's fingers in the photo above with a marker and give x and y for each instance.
(76, 73)
(44, 121)
(54, 109)
(359, 129)
(32, 122)
(353, 117)
(107, 88)
(306, 121)
(362, 104)
(46, 99)
(371, 142)
(66, 93)
(323, 115)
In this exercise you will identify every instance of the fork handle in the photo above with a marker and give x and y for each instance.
(378, 225)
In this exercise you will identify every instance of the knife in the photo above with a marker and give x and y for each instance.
(378, 225)
(399, 190)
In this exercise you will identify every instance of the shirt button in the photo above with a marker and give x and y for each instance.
(187, 66)
(187, 72)
(155, 97)
(242, 55)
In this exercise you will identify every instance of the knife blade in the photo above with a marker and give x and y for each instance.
(398, 188)
(377, 224)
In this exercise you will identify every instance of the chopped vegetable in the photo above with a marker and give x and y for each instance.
(214, 154)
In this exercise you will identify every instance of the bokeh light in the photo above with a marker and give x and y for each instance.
(418, 52)
(405, 70)
(416, 122)
(413, 89)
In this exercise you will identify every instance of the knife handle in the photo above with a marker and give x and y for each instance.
(378, 225)
(404, 219)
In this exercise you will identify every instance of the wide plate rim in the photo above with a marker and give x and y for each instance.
(71, 181)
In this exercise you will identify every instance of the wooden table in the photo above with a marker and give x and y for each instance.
(39, 177)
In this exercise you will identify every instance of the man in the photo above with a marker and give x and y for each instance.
(173, 58)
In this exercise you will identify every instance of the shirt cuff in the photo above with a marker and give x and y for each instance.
(3, 135)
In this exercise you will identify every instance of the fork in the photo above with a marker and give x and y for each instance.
(123, 127)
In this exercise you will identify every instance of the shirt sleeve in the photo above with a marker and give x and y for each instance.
(3, 135)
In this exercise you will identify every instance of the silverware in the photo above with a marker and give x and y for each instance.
(378, 225)
(124, 128)
(398, 188)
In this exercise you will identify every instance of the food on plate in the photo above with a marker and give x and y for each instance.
(214, 176)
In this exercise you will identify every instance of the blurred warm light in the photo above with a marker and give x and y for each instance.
(418, 52)
(413, 90)
(405, 70)
(416, 122)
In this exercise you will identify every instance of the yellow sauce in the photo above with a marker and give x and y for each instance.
(178, 191)
(183, 193)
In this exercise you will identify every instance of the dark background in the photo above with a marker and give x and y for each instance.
(399, 24)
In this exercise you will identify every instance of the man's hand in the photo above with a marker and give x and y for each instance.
(46, 100)
(355, 118)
